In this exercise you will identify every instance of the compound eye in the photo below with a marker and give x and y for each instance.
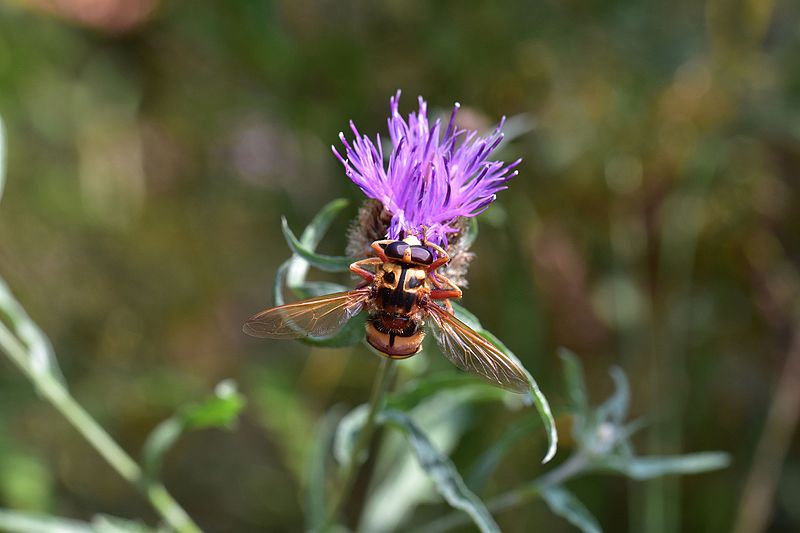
(396, 249)
(421, 255)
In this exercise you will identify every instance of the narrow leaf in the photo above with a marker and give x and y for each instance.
(347, 434)
(219, 411)
(573, 375)
(311, 237)
(18, 522)
(41, 357)
(316, 480)
(319, 225)
(328, 263)
(442, 472)
(113, 524)
(653, 466)
(616, 407)
(538, 398)
(466, 316)
(564, 504)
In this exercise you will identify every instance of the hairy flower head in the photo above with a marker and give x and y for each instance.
(431, 178)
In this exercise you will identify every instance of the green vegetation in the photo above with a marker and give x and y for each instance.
(151, 154)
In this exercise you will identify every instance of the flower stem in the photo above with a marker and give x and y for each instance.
(514, 497)
(59, 397)
(360, 450)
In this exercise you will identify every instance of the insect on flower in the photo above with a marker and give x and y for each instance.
(430, 184)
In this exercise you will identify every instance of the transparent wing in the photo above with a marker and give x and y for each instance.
(474, 354)
(315, 317)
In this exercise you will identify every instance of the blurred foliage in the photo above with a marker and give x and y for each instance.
(154, 146)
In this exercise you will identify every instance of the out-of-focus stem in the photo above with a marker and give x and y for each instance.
(358, 455)
(773, 444)
(55, 393)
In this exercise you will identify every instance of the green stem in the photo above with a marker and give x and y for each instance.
(570, 468)
(360, 450)
(60, 398)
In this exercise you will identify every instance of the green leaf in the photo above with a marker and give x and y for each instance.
(113, 524)
(219, 411)
(576, 387)
(311, 237)
(616, 407)
(328, 263)
(536, 395)
(316, 479)
(466, 316)
(441, 471)
(319, 225)
(41, 357)
(539, 400)
(653, 466)
(564, 504)
(347, 434)
(18, 522)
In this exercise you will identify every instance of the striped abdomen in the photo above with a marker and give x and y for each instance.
(394, 327)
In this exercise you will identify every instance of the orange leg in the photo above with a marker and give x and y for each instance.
(442, 283)
(357, 268)
(443, 256)
(442, 293)
(379, 251)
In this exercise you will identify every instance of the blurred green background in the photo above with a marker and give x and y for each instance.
(154, 145)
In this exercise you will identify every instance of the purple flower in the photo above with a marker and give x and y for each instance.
(430, 179)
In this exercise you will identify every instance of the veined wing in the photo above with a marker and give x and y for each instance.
(315, 317)
(474, 354)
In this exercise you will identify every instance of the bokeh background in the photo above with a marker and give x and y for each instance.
(154, 145)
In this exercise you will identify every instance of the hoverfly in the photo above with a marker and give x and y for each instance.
(400, 295)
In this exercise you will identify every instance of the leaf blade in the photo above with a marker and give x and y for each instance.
(219, 411)
(539, 400)
(566, 505)
(448, 482)
(327, 263)
(641, 468)
(41, 356)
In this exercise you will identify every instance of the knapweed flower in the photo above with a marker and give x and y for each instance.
(431, 179)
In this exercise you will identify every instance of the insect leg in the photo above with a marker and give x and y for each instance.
(442, 283)
(357, 268)
(443, 293)
(444, 257)
(379, 250)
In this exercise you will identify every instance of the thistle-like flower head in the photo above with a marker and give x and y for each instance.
(431, 178)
